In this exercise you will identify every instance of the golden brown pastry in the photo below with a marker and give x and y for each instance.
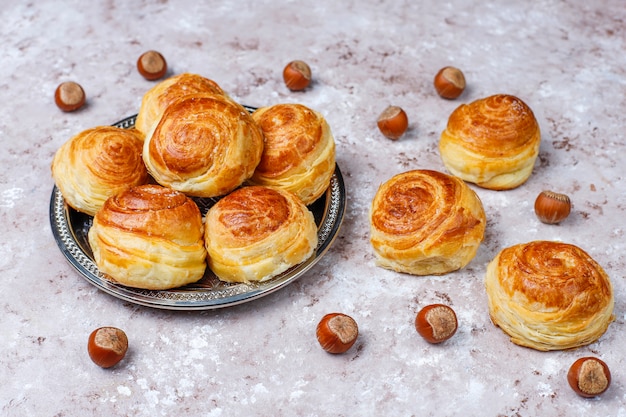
(299, 152)
(492, 142)
(156, 100)
(425, 222)
(549, 295)
(149, 237)
(204, 145)
(96, 164)
(257, 232)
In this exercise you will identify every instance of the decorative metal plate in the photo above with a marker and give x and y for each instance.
(70, 229)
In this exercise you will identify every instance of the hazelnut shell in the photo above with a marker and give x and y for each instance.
(551, 207)
(151, 65)
(337, 332)
(107, 346)
(589, 377)
(449, 82)
(297, 75)
(436, 323)
(393, 122)
(69, 96)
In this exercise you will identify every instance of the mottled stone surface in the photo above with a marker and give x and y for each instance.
(565, 59)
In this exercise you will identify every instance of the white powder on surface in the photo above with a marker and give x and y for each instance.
(10, 196)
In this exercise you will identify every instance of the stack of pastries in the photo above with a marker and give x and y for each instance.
(192, 140)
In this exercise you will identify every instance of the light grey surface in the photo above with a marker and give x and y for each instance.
(564, 59)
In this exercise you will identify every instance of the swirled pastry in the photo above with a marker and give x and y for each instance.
(158, 98)
(549, 295)
(257, 232)
(96, 164)
(425, 222)
(492, 142)
(149, 237)
(299, 151)
(204, 145)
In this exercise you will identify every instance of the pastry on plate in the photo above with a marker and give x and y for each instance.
(155, 101)
(299, 151)
(204, 145)
(255, 233)
(96, 164)
(549, 295)
(425, 222)
(149, 237)
(492, 142)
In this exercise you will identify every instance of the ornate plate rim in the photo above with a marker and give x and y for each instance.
(194, 299)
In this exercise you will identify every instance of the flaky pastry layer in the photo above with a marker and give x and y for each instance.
(258, 232)
(492, 142)
(204, 145)
(549, 295)
(425, 222)
(299, 151)
(158, 98)
(149, 237)
(97, 163)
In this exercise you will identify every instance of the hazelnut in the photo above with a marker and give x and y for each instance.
(436, 323)
(393, 122)
(449, 82)
(337, 332)
(69, 96)
(297, 75)
(151, 65)
(107, 346)
(551, 207)
(589, 377)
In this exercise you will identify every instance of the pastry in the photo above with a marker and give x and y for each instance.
(149, 237)
(257, 232)
(299, 151)
(156, 100)
(96, 164)
(492, 142)
(204, 145)
(425, 222)
(549, 295)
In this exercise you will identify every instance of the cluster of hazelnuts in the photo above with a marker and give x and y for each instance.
(70, 96)
(436, 323)
(337, 332)
(393, 121)
(449, 83)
